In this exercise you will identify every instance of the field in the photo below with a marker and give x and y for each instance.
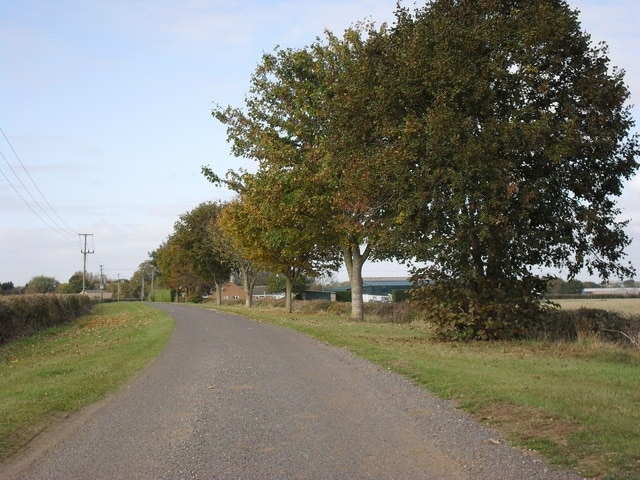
(626, 306)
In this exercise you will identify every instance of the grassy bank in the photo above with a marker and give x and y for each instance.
(64, 368)
(576, 403)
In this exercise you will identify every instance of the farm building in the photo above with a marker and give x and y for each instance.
(617, 291)
(379, 289)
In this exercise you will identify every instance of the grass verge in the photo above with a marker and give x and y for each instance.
(578, 403)
(65, 368)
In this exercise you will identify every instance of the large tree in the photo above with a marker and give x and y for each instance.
(227, 243)
(520, 140)
(315, 122)
(273, 226)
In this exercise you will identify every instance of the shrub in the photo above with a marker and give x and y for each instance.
(461, 313)
(22, 315)
(391, 312)
(571, 325)
(314, 307)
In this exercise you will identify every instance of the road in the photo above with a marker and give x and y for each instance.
(230, 398)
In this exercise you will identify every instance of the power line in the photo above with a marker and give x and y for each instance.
(64, 227)
(23, 199)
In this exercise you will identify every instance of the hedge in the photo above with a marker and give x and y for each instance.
(22, 315)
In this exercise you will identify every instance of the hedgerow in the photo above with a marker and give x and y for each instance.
(22, 315)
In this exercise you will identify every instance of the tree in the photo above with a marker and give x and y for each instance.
(559, 286)
(313, 123)
(274, 229)
(7, 288)
(188, 258)
(221, 235)
(520, 139)
(42, 284)
(120, 289)
(75, 283)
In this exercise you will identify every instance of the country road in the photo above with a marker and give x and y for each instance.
(230, 398)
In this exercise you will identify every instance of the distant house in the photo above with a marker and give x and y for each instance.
(231, 291)
(316, 295)
(99, 294)
(260, 291)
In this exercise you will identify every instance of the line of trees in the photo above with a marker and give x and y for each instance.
(123, 289)
(481, 139)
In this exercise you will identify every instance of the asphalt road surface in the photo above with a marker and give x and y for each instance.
(231, 398)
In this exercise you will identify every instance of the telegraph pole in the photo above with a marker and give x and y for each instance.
(101, 285)
(85, 252)
(153, 271)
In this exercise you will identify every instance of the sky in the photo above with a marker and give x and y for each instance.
(105, 111)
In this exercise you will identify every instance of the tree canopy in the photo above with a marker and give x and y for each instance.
(311, 122)
(486, 140)
(188, 259)
(274, 228)
(42, 284)
(524, 145)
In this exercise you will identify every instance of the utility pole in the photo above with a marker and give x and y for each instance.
(153, 271)
(101, 285)
(118, 287)
(85, 252)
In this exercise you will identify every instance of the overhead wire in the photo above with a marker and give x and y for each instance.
(62, 226)
(23, 199)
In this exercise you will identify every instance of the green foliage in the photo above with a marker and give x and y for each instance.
(75, 283)
(521, 141)
(310, 123)
(7, 288)
(484, 139)
(188, 259)
(343, 296)
(398, 296)
(557, 286)
(461, 309)
(42, 284)
(162, 295)
(277, 284)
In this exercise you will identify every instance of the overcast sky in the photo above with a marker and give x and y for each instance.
(106, 106)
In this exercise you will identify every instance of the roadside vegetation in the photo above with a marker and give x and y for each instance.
(575, 402)
(22, 315)
(57, 371)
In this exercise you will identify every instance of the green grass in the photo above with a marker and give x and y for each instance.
(65, 368)
(576, 403)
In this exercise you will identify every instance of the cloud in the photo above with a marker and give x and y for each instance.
(221, 26)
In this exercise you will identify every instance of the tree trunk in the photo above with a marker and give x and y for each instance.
(218, 293)
(289, 292)
(248, 282)
(354, 260)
